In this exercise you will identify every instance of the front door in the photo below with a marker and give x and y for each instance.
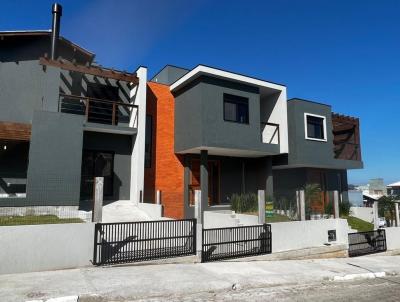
(97, 164)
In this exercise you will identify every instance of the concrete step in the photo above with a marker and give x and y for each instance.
(123, 211)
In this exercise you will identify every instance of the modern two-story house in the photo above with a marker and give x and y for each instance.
(65, 119)
(224, 133)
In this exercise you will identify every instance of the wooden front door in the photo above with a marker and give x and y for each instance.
(213, 181)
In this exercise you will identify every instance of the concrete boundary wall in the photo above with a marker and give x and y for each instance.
(296, 235)
(154, 211)
(393, 238)
(363, 213)
(31, 248)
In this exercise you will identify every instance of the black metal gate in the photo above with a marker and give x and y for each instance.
(235, 242)
(364, 243)
(146, 240)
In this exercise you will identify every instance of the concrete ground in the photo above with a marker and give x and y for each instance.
(217, 281)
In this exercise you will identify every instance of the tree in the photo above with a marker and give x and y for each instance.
(386, 208)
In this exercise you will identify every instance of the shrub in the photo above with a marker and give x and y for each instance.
(242, 203)
(344, 208)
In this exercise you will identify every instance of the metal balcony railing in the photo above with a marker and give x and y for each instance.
(99, 111)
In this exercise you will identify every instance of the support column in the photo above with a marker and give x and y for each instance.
(336, 204)
(204, 179)
(158, 197)
(269, 183)
(261, 206)
(301, 204)
(376, 215)
(199, 226)
(396, 211)
(97, 214)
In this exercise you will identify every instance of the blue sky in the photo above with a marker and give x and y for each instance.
(344, 53)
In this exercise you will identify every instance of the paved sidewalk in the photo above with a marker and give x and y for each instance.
(171, 280)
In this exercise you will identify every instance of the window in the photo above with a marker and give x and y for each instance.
(315, 127)
(148, 141)
(236, 109)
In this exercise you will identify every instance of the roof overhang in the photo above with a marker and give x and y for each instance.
(222, 74)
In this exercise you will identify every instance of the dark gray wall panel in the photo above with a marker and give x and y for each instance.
(25, 87)
(121, 146)
(55, 156)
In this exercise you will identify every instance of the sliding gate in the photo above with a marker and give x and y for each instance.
(364, 243)
(146, 240)
(235, 242)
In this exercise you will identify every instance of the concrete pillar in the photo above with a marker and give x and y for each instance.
(376, 215)
(261, 206)
(199, 227)
(301, 203)
(396, 211)
(158, 197)
(204, 178)
(269, 185)
(98, 199)
(336, 204)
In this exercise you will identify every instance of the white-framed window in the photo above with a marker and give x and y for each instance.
(315, 127)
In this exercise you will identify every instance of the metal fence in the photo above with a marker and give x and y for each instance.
(235, 242)
(146, 240)
(364, 243)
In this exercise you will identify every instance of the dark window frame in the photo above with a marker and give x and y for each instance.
(148, 153)
(238, 101)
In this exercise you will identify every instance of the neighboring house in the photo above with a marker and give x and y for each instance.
(223, 133)
(374, 189)
(64, 120)
(394, 189)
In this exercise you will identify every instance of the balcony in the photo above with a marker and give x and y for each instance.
(100, 112)
(270, 133)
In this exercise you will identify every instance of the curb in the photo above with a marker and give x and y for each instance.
(361, 276)
(59, 299)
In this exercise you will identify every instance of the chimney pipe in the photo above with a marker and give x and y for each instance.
(56, 10)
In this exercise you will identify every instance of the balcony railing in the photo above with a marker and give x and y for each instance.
(100, 111)
(270, 133)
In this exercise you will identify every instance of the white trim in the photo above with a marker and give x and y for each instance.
(325, 139)
(201, 69)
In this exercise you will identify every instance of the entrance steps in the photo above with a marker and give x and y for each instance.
(123, 211)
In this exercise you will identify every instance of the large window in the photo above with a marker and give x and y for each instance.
(148, 141)
(315, 127)
(236, 109)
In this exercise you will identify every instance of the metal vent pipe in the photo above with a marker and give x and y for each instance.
(56, 10)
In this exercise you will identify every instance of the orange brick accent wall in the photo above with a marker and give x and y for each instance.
(167, 171)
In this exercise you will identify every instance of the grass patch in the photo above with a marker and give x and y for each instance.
(42, 219)
(358, 224)
(277, 218)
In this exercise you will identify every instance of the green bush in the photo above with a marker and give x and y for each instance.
(344, 208)
(243, 203)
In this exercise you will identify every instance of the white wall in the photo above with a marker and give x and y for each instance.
(393, 238)
(138, 97)
(296, 235)
(363, 213)
(154, 211)
(30, 248)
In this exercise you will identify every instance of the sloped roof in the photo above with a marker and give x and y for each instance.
(395, 184)
(25, 33)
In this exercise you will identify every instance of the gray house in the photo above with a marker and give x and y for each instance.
(64, 120)
(230, 133)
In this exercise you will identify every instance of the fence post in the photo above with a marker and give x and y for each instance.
(261, 206)
(301, 204)
(158, 197)
(336, 203)
(98, 199)
(376, 215)
(396, 211)
(199, 227)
